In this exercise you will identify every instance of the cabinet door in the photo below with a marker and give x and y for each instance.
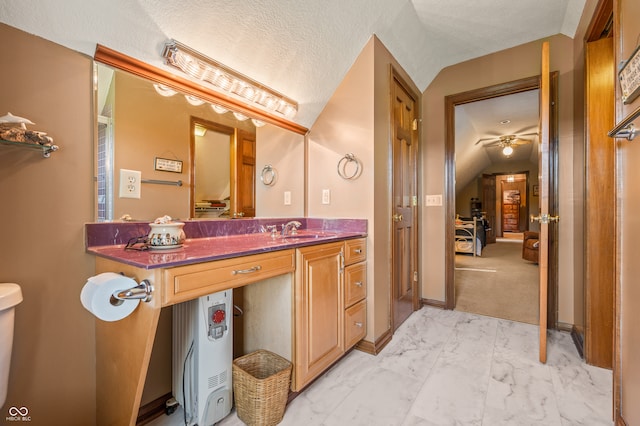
(318, 310)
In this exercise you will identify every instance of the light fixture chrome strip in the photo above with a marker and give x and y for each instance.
(227, 80)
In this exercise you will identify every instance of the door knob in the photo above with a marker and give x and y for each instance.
(544, 218)
(397, 217)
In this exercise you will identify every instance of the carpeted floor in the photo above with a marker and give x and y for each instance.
(498, 284)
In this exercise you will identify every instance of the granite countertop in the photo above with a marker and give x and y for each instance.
(222, 244)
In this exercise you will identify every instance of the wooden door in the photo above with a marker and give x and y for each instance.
(404, 196)
(511, 197)
(244, 201)
(489, 206)
(543, 181)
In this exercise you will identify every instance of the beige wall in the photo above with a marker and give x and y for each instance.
(628, 158)
(45, 203)
(356, 120)
(508, 65)
(346, 125)
(284, 151)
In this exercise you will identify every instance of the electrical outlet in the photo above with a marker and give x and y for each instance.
(287, 198)
(326, 196)
(130, 183)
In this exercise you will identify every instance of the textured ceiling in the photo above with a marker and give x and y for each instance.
(300, 48)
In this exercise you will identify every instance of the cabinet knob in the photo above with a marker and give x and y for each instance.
(358, 251)
(358, 283)
(358, 324)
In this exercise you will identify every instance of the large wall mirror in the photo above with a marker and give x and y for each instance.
(196, 161)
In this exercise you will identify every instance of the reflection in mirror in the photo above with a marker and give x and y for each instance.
(138, 125)
(211, 169)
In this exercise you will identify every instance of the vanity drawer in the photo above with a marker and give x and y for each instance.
(355, 283)
(355, 251)
(355, 324)
(188, 282)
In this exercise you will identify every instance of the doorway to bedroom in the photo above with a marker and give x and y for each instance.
(496, 169)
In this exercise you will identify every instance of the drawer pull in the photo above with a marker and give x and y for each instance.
(358, 283)
(247, 271)
(358, 251)
(358, 324)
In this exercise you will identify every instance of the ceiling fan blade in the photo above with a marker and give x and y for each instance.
(524, 129)
(486, 139)
(490, 144)
(520, 141)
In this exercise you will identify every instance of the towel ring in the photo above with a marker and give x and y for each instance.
(268, 175)
(342, 167)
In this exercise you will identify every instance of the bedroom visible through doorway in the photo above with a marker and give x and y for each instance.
(491, 277)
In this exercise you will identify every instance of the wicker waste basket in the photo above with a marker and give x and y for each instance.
(261, 382)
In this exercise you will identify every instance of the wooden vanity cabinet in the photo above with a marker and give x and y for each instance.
(330, 306)
(328, 314)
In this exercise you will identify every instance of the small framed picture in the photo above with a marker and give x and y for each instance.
(536, 190)
(167, 165)
(629, 77)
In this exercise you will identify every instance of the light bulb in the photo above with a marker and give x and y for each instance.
(239, 116)
(193, 100)
(507, 150)
(219, 109)
(257, 123)
(164, 90)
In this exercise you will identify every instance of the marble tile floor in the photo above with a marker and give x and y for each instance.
(454, 368)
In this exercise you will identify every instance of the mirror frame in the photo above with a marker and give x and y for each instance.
(134, 66)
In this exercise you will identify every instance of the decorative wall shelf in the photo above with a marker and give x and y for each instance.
(45, 149)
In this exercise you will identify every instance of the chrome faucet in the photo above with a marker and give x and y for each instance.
(290, 228)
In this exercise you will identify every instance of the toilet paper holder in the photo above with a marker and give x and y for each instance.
(142, 291)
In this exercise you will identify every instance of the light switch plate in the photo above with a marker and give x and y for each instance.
(326, 196)
(287, 198)
(130, 181)
(434, 200)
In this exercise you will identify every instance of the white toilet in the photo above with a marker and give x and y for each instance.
(10, 296)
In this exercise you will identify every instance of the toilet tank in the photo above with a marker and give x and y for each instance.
(10, 296)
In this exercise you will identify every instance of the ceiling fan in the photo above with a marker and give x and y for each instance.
(506, 142)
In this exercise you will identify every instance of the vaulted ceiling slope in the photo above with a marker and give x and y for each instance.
(302, 48)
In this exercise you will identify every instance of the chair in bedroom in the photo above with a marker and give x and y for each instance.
(530, 246)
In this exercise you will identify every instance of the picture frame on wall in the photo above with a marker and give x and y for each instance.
(168, 165)
(629, 77)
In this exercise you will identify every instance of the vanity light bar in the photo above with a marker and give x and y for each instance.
(223, 78)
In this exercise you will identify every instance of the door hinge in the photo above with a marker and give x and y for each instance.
(414, 125)
(414, 200)
(415, 276)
